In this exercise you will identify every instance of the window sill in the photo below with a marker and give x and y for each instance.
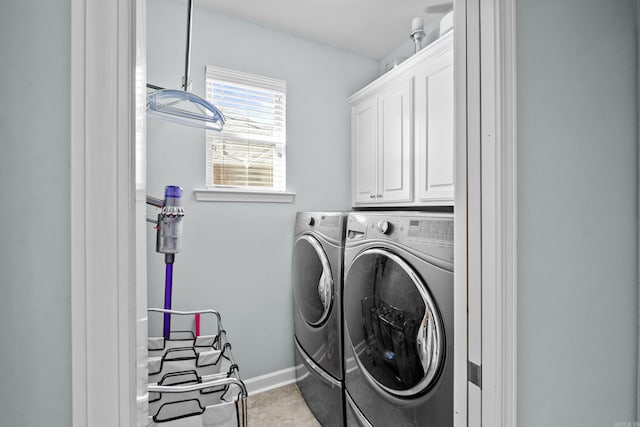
(236, 195)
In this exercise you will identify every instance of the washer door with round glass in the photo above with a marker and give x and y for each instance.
(393, 323)
(313, 281)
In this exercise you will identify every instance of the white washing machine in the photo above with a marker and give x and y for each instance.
(317, 286)
(398, 316)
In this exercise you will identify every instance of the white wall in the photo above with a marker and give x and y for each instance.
(35, 308)
(577, 212)
(237, 256)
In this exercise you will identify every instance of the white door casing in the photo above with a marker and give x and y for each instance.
(485, 200)
(466, 212)
(107, 260)
(499, 213)
(460, 400)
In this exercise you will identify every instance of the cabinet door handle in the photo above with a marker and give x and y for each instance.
(372, 196)
(379, 196)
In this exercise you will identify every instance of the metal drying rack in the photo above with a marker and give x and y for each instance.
(194, 377)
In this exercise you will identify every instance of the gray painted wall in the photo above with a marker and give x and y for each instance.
(35, 308)
(237, 256)
(577, 212)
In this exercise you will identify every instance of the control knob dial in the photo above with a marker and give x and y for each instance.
(384, 226)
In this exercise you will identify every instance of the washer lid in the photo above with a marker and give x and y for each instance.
(312, 280)
(393, 323)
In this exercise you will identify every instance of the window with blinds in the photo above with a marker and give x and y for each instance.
(250, 151)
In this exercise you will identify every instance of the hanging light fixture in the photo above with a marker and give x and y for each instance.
(182, 106)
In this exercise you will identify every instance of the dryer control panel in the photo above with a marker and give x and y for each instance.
(330, 225)
(433, 231)
(430, 234)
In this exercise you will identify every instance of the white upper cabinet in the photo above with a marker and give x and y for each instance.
(364, 134)
(402, 133)
(381, 127)
(434, 130)
(394, 144)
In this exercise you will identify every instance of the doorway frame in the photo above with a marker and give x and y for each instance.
(104, 279)
(485, 296)
(103, 213)
(499, 212)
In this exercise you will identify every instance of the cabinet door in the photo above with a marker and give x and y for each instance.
(364, 156)
(434, 125)
(394, 143)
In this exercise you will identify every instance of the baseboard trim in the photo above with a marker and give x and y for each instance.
(269, 381)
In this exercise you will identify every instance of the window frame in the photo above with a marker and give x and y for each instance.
(213, 192)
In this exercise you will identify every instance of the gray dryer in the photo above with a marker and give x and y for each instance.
(317, 286)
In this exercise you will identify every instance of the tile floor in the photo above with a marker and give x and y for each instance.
(280, 407)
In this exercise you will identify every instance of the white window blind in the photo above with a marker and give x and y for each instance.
(250, 151)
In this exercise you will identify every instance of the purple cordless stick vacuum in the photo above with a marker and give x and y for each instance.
(169, 240)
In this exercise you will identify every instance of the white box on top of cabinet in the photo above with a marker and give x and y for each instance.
(402, 126)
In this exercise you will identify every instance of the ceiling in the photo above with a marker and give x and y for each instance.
(367, 27)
